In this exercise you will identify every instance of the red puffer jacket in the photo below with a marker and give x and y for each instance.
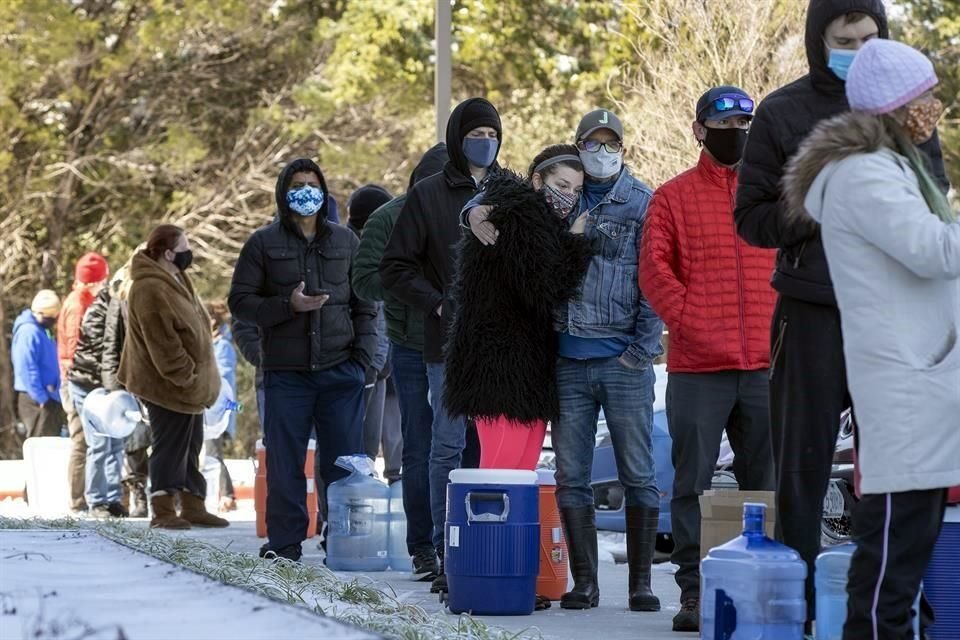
(710, 288)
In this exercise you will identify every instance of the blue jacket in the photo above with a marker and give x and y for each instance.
(226, 356)
(609, 303)
(34, 353)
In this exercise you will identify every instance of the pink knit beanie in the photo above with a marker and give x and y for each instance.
(885, 75)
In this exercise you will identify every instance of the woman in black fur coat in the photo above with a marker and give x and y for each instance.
(502, 352)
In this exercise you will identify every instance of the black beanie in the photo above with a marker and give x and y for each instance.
(364, 202)
(479, 113)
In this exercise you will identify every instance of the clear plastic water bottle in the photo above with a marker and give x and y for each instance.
(399, 558)
(752, 588)
(833, 566)
(358, 517)
(831, 583)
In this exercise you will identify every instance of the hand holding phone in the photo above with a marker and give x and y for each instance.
(302, 303)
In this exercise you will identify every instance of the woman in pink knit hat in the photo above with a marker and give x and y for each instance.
(892, 242)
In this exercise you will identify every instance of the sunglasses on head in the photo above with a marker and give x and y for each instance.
(592, 146)
(731, 102)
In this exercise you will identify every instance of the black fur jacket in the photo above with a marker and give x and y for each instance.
(502, 352)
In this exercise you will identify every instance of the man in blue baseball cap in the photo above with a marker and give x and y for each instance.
(694, 268)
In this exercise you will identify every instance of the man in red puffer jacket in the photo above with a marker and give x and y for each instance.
(712, 290)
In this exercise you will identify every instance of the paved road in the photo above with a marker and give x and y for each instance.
(611, 621)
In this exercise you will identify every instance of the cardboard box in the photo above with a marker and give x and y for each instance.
(721, 515)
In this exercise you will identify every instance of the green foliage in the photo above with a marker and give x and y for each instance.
(934, 27)
(119, 114)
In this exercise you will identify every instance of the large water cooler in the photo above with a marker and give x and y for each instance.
(492, 541)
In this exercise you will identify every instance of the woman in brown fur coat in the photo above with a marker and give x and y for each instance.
(168, 363)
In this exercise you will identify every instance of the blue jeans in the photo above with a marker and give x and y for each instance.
(626, 397)
(446, 449)
(104, 465)
(416, 424)
(299, 403)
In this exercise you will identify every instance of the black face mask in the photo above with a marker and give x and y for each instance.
(726, 145)
(48, 323)
(183, 259)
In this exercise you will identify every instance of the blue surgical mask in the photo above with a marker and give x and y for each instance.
(840, 60)
(306, 200)
(481, 152)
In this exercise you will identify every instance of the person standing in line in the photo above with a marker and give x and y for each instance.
(808, 379)
(226, 356)
(292, 280)
(36, 374)
(502, 354)
(90, 276)
(136, 468)
(418, 267)
(168, 363)
(893, 243)
(405, 330)
(608, 339)
(712, 290)
(104, 464)
(362, 203)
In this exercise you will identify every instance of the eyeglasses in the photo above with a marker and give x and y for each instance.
(592, 146)
(731, 102)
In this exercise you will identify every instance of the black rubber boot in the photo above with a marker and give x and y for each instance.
(580, 527)
(641, 544)
(439, 584)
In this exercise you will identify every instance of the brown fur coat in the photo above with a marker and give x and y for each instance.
(834, 139)
(168, 353)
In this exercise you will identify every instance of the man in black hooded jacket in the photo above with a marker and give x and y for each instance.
(293, 280)
(418, 267)
(808, 386)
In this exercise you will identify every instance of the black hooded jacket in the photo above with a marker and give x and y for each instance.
(274, 261)
(418, 262)
(404, 324)
(784, 119)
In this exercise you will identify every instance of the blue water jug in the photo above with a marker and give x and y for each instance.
(358, 518)
(752, 588)
(397, 551)
(831, 583)
(492, 541)
(833, 566)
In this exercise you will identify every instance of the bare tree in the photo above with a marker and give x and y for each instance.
(684, 47)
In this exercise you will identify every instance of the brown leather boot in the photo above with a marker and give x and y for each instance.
(164, 514)
(195, 512)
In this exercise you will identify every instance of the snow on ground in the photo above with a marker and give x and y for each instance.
(126, 595)
(76, 584)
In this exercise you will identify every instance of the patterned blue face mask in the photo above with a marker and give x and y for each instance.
(306, 200)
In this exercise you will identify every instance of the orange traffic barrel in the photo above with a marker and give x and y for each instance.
(552, 580)
(260, 490)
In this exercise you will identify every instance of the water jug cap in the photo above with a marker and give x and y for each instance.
(357, 463)
(754, 514)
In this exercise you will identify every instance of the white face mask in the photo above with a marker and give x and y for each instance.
(601, 164)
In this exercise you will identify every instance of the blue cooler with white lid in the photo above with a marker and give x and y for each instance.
(492, 541)
(941, 583)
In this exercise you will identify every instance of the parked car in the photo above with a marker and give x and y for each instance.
(607, 491)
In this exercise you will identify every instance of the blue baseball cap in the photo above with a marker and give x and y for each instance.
(724, 102)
